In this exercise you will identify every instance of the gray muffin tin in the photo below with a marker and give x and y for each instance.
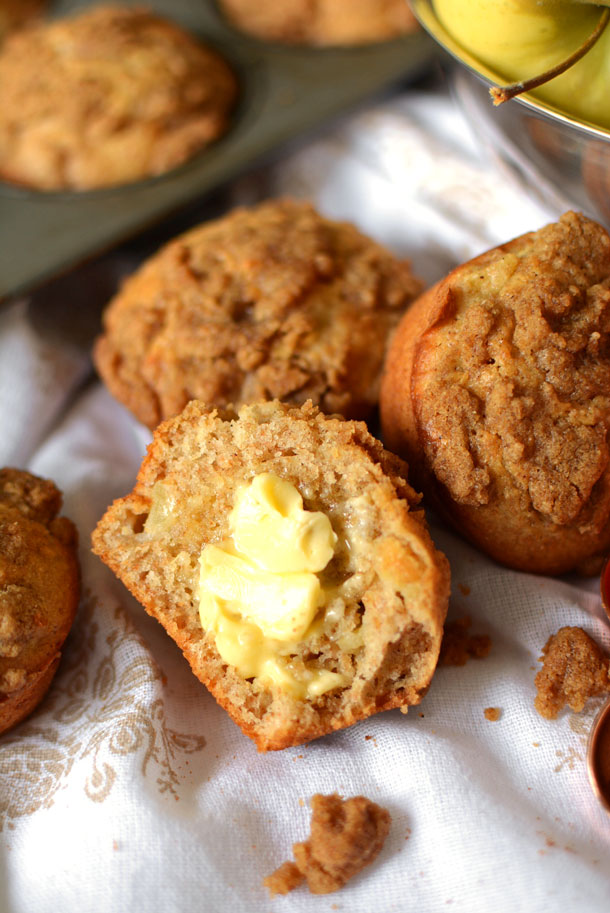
(284, 93)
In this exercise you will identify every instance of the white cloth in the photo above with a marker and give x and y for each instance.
(130, 790)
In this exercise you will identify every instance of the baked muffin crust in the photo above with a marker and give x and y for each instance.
(390, 586)
(497, 392)
(270, 302)
(322, 22)
(105, 97)
(39, 590)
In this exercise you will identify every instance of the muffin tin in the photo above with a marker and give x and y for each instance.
(284, 92)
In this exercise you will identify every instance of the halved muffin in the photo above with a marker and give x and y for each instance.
(279, 549)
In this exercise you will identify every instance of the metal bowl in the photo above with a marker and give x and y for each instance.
(564, 161)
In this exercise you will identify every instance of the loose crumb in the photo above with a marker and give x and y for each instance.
(346, 835)
(493, 714)
(574, 669)
(459, 646)
(285, 879)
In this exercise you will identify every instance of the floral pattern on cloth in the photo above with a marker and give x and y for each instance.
(129, 789)
(98, 710)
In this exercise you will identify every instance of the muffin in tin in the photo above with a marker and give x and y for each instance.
(321, 22)
(283, 551)
(273, 302)
(497, 392)
(106, 97)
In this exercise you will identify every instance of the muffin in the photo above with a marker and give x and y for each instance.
(16, 13)
(108, 96)
(39, 590)
(497, 392)
(322, 22)
(279, 548)
(274, 302)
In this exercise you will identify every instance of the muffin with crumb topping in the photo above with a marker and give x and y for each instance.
(273, 302)
(39, 590)
(497, 392)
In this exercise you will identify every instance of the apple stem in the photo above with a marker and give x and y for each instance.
(500, 94)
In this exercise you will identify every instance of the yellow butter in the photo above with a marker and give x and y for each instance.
(259, 592)
(282, 605)
(269, 525)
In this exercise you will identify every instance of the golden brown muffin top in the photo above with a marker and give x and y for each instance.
(322, 22)
(272, 302)
(108, 96)
(39, 580)
(513, 380)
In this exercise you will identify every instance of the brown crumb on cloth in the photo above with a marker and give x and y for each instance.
(458, 645)
(285, 879)
(574, 669)
(492, 714)
(346, 835)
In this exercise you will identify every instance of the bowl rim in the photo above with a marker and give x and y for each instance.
(426, 16)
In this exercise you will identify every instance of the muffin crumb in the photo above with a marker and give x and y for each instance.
(492, 714)
(346, 835)
(574, 669)
(458, 645)
(285, 879)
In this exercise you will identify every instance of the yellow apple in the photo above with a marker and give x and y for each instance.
(519, 39)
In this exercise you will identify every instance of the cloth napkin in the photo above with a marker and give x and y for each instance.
(129, 789)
